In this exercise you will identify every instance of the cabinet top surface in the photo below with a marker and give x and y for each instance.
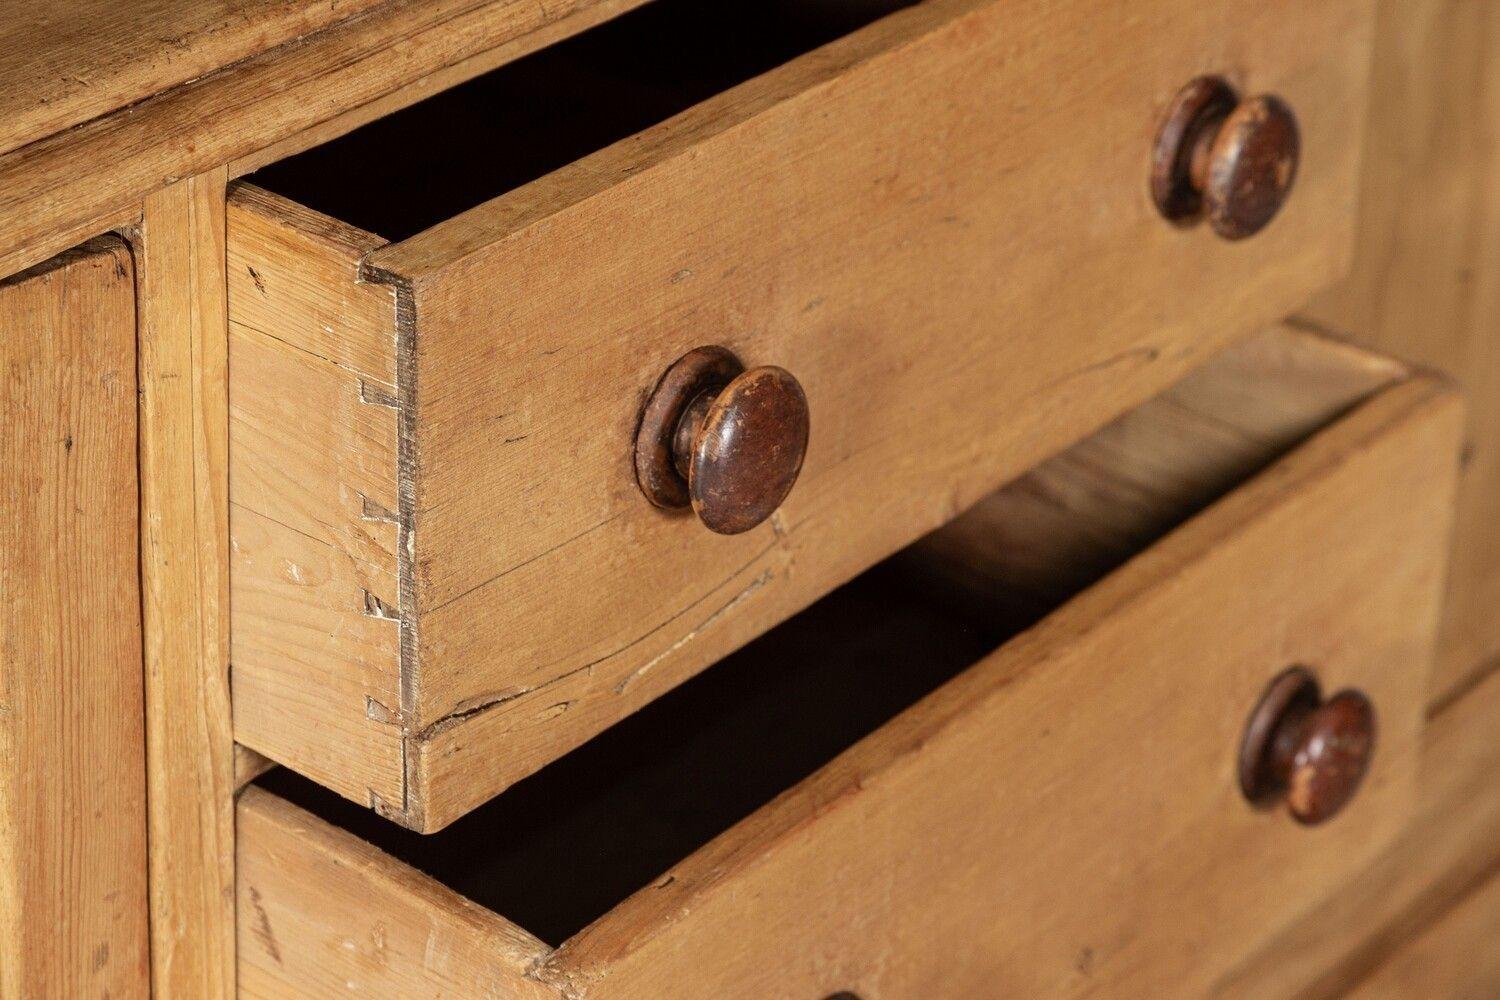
(67, 61)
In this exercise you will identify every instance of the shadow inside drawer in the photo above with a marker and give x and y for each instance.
(566, 845)
(563, 847)
(416, 167)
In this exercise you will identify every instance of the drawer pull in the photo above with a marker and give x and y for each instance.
(1230, 160)
(1311, 752)
(730, 442)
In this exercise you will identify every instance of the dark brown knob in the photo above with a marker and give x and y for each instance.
(726, 440)
(1310, 752)
(1230, 160)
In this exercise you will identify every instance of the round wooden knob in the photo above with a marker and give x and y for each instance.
(1232, 161)
(730, 442)
(1311, 752)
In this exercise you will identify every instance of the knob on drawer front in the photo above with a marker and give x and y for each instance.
(1231, 160)
(726, 440)
(1311, 752)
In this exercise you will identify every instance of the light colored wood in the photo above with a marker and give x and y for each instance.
(184, 462)
(1084, 774)
(898, 277)
(1426, 278)
(1456, 959)
(1451, 844)
(1060, 820)
(321, 913)
(313, 451)
(72, 60)
(1024, 549)
(85, 178)
(72, 734)
(249, 765)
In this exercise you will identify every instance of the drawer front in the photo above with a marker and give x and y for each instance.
(941, 225)
(1065, 818)
(1062, 819)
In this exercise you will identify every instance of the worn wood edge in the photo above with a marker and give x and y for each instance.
(153, 61)
(248, 106)
(630, 161)
(18, 257)
(271, 825)
(427, 86)
(83, 799)
(651, 912)
(184, 509)
(320, 273)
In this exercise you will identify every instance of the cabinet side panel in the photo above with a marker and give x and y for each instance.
(73, 908)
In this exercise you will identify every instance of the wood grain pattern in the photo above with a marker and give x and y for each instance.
(184, 461)
(72, 733)
(1454, 959)
(966, 788)
(72, 60)
(321, 913)
(1023, 550)
(864, 876)
(859, 217)
(92, 177)
(313, 450)
(1426, 278)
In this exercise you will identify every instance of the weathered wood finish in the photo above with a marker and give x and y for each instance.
(1000, 779)
(1426, 277)
(93, 177)
(863, 877)
(72, 731)
(313, 452)
(112, 54)
(184, 570)
(321, 913)
(928, 155)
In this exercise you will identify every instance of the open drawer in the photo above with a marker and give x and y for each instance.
(445, 571)
(1031, 806)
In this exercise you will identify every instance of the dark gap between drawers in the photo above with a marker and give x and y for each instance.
(416, 167)
(563, 847)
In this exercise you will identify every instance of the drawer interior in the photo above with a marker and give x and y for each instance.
(565, 846)
(410, 170)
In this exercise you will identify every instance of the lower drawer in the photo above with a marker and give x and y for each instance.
(1004, 763)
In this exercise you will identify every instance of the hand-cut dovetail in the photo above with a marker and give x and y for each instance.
(376, 396)
(377, 512)
(377, 712)
(376, 608)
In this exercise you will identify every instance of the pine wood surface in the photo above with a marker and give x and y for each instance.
(184, 568)
(631, 256)
(1426, 278)
(861, 877)
(59, 189)
(68, 61)
(1454, 959)
(73, 864)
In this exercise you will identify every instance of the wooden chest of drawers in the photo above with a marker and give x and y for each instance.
(1086, 769)
(446, 574)
(822, 499)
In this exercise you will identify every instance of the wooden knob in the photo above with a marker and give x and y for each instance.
(726, 440)
(1310, 752)
(1230, 160)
